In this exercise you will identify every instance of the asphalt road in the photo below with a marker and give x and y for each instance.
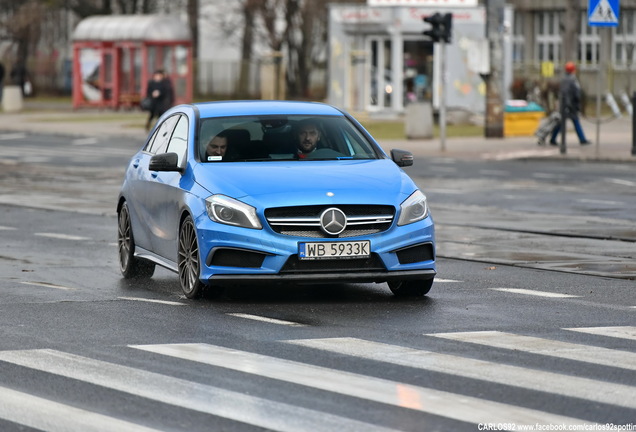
(530, 321)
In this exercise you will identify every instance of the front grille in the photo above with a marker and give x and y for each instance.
(418, 253)
(304, 221)
(295, 265)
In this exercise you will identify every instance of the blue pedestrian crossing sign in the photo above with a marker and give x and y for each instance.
(602, 13)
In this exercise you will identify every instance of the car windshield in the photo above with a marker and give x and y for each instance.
(271, 138)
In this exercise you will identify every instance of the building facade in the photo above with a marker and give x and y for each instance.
(380, 61)
(548, 33)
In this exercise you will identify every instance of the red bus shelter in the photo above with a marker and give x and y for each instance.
(114, 56)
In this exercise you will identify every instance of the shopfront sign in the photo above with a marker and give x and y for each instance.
(427, 3)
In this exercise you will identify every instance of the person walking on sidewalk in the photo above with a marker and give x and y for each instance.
(570, 104)
(159, 89)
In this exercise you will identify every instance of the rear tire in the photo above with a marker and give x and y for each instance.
(189, 262)
(411, 288)
(130, 266)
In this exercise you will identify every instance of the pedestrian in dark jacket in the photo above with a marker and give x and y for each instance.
(570, 104)
(1, 79)
(159, 89)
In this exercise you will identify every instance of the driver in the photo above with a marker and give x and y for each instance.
(217, 147)
(307, 137)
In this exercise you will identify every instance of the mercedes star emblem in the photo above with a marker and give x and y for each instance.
(333, 221)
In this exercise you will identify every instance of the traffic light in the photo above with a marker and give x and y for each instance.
(447, 27)
(435, 20)
(441, 27)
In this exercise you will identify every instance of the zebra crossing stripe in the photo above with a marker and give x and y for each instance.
(552, 348)
(624, 332)
(185, 394)
(428, 400)
(531, 379)
(12, 136)
(44, 414)
(534, 292)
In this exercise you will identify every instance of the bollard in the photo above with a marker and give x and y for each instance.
(627, 103)
(609, 99)
(634, 126)
(12, 99)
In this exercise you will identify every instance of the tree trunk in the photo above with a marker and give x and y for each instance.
(249, 12)
(193, 21)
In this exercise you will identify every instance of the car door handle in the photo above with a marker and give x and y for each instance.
(154, 174)
(136, 163)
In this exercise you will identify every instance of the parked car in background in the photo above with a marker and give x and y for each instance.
(270, 192)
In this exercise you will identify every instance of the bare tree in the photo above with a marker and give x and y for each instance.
(22, 25)
(247, 43)
(303, 35)
(193, 21)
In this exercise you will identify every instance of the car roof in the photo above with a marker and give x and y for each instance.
(260, 107)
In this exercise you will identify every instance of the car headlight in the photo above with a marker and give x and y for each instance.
(413, 209)
(226, 210)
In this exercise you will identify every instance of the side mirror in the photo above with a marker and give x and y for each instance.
(164, 162)
(402, 158)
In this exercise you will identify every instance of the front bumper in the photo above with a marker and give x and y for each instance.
(233, 255)
(317, 278)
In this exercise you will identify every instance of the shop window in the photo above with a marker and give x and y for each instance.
(548, 40)
(624, 38)
(589, 43)
(518, 39)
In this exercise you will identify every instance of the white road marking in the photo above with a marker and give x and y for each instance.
(548, 347)
(43, 414)
(84, 141)
(600, 202)
(5, 228)
(491, 372)
(166, 302)
(64, 151)
(12, 136)
(494, 172)
(267, 320)
(61, 236)
(518, 154)
(547, 175)
(445, 404)
(185, 394)
(440, 280)
(48, 285)
(621, 182)
(445, 169)
(444, 191)
(623, 332)
(534, 293)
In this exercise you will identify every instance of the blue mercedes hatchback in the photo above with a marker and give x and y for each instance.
(272, 192)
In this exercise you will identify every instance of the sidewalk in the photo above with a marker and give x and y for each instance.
(615, 143)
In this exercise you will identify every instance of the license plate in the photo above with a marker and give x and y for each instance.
(330, 250)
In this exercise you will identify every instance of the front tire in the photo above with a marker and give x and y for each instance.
(411, 288)
(189, 262)
(130, 266)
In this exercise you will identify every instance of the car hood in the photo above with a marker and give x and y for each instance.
(276, 184)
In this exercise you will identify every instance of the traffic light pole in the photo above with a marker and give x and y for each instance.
(440, 32)
(442, 100)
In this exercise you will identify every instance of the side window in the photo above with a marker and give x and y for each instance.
(151, 141)
(179, 141)
(162, 136)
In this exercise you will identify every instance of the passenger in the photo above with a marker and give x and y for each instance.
(217, 147)
(307, 135)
